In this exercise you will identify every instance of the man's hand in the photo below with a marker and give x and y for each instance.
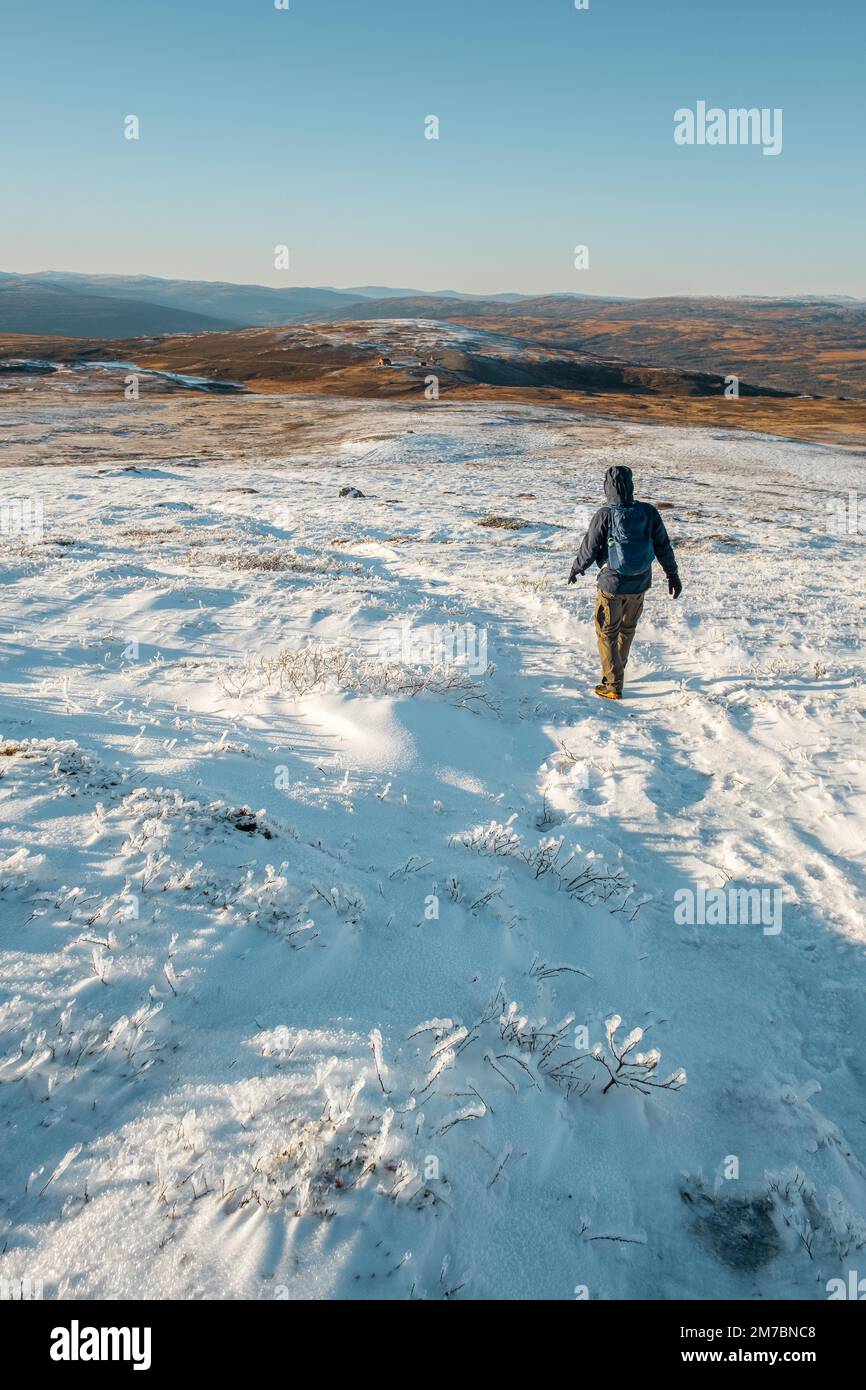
(675, 585)
(572, 578)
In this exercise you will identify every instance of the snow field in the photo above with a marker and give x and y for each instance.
(312, 956)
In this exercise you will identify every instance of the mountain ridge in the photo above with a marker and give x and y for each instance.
(802, 344)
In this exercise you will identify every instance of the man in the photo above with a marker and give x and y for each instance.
(623, 538)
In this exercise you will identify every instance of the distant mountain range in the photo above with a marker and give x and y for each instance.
(68, 302)
(72, 304)
(30, 305)
(383, 292)
(805, 344)
(114, 306)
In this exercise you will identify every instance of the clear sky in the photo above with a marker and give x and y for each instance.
(305, 127)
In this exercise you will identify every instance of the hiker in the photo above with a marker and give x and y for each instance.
(622, 539)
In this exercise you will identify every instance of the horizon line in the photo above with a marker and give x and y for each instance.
(440, 293)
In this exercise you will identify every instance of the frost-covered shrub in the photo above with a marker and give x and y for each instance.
(65, 760)
(224, 745)
(266, 560)
(522, 1053)
(588, 881)
(148, 535)
(269, 561)
(502, 523)
(282, 906)
(320, 1157)
(602, 1067)
(626, 1067)
(158, 813)
(829, 1229)
(19, 869)
(321, 667)
(535, 584)
(56, 1058)
(305, 1155)
(747, 1230)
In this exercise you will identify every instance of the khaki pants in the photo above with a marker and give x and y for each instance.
(616, 618)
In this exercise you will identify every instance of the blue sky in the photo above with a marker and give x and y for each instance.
(306, 127)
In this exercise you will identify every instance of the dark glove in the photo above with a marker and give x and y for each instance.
(675, 585)
(572, 578)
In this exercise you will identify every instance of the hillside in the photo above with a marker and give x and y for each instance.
(804, 345)
(242, 306)
(332, 898)
(801, 345)
(324, 358)
(316, 361)
(32, 306)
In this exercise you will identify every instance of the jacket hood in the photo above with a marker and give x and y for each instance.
(619, 485)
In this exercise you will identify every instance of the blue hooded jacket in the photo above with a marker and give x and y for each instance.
(637, 518)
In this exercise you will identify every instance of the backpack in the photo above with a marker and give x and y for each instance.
(629, 544)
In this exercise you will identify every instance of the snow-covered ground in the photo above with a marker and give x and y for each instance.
(311, 936)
